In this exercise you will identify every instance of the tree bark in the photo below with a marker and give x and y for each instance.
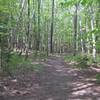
(75, 30)
(28, 31)
(38, 34)
(52, 28)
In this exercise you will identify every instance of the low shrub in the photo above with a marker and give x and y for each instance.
(98, 78)
(82, 62)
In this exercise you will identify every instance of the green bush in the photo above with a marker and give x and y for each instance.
(5, 53)
(82, 62)
(19, 64)
(70, 58)
(98, 78)
(39, 55)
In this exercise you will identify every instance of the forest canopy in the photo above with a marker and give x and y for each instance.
(49, 27)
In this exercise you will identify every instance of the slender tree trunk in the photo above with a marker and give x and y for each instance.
(98, 21)
(52, 28)
(98, 15)
(88, 42)
(28, 30)
(75, 30)
(38, 35)
(93, 37)
(81, 33)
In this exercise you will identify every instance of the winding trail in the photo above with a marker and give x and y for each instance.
(60, 81)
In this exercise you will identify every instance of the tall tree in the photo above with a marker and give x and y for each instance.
(52, 27)
(93, 35)
(28, 30)
(75, 29)
(38, 33)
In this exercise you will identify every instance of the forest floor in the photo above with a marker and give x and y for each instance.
(58, 80)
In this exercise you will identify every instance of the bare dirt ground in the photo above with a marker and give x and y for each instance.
(57, 81)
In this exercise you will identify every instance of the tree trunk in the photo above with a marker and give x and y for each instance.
(81, 33)
(52, 28)
(38, 34)
(75, 30)
(28, 31)
(93, 37)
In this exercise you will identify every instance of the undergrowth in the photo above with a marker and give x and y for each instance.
(18, 63)
(98, 78)
(39, 55)
(82, 61)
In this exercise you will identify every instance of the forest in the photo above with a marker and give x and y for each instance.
(49, 49)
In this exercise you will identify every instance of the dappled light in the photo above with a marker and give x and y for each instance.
(49, 49)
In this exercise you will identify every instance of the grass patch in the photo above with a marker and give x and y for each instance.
(70, 58)
(98, 78)
(38, 67)
(82, 61)
(39, 55)
(19, 64)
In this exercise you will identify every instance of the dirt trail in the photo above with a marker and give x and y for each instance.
(59, 81)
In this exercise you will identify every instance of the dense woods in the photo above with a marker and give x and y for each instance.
(37, 29)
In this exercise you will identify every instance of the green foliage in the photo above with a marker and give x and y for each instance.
(16, 62)
(86, 2)
(98, 59)
(67, 3)
(38, 67)
(39, 55)
(71, 58)
(82, 62)
(13, 17)
(98, 78)
(5, 53)
(19, 64)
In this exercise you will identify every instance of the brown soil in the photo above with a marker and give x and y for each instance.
(57, 81)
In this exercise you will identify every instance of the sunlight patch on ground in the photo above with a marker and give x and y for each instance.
(82, 92)
(72, 71)
(78, 84)
(35, 63)
(72, 62)
(82, 86)
(82, 99)
(50, 99)
(45, 64)
(59, 67)
(59, 70)
(82, 89)
(85, 92)
(90, 79)
(97, 89)
(81, 77)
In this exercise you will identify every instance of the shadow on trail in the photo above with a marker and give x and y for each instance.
(59, 81)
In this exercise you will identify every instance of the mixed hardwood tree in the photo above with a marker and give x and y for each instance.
(49, 26)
